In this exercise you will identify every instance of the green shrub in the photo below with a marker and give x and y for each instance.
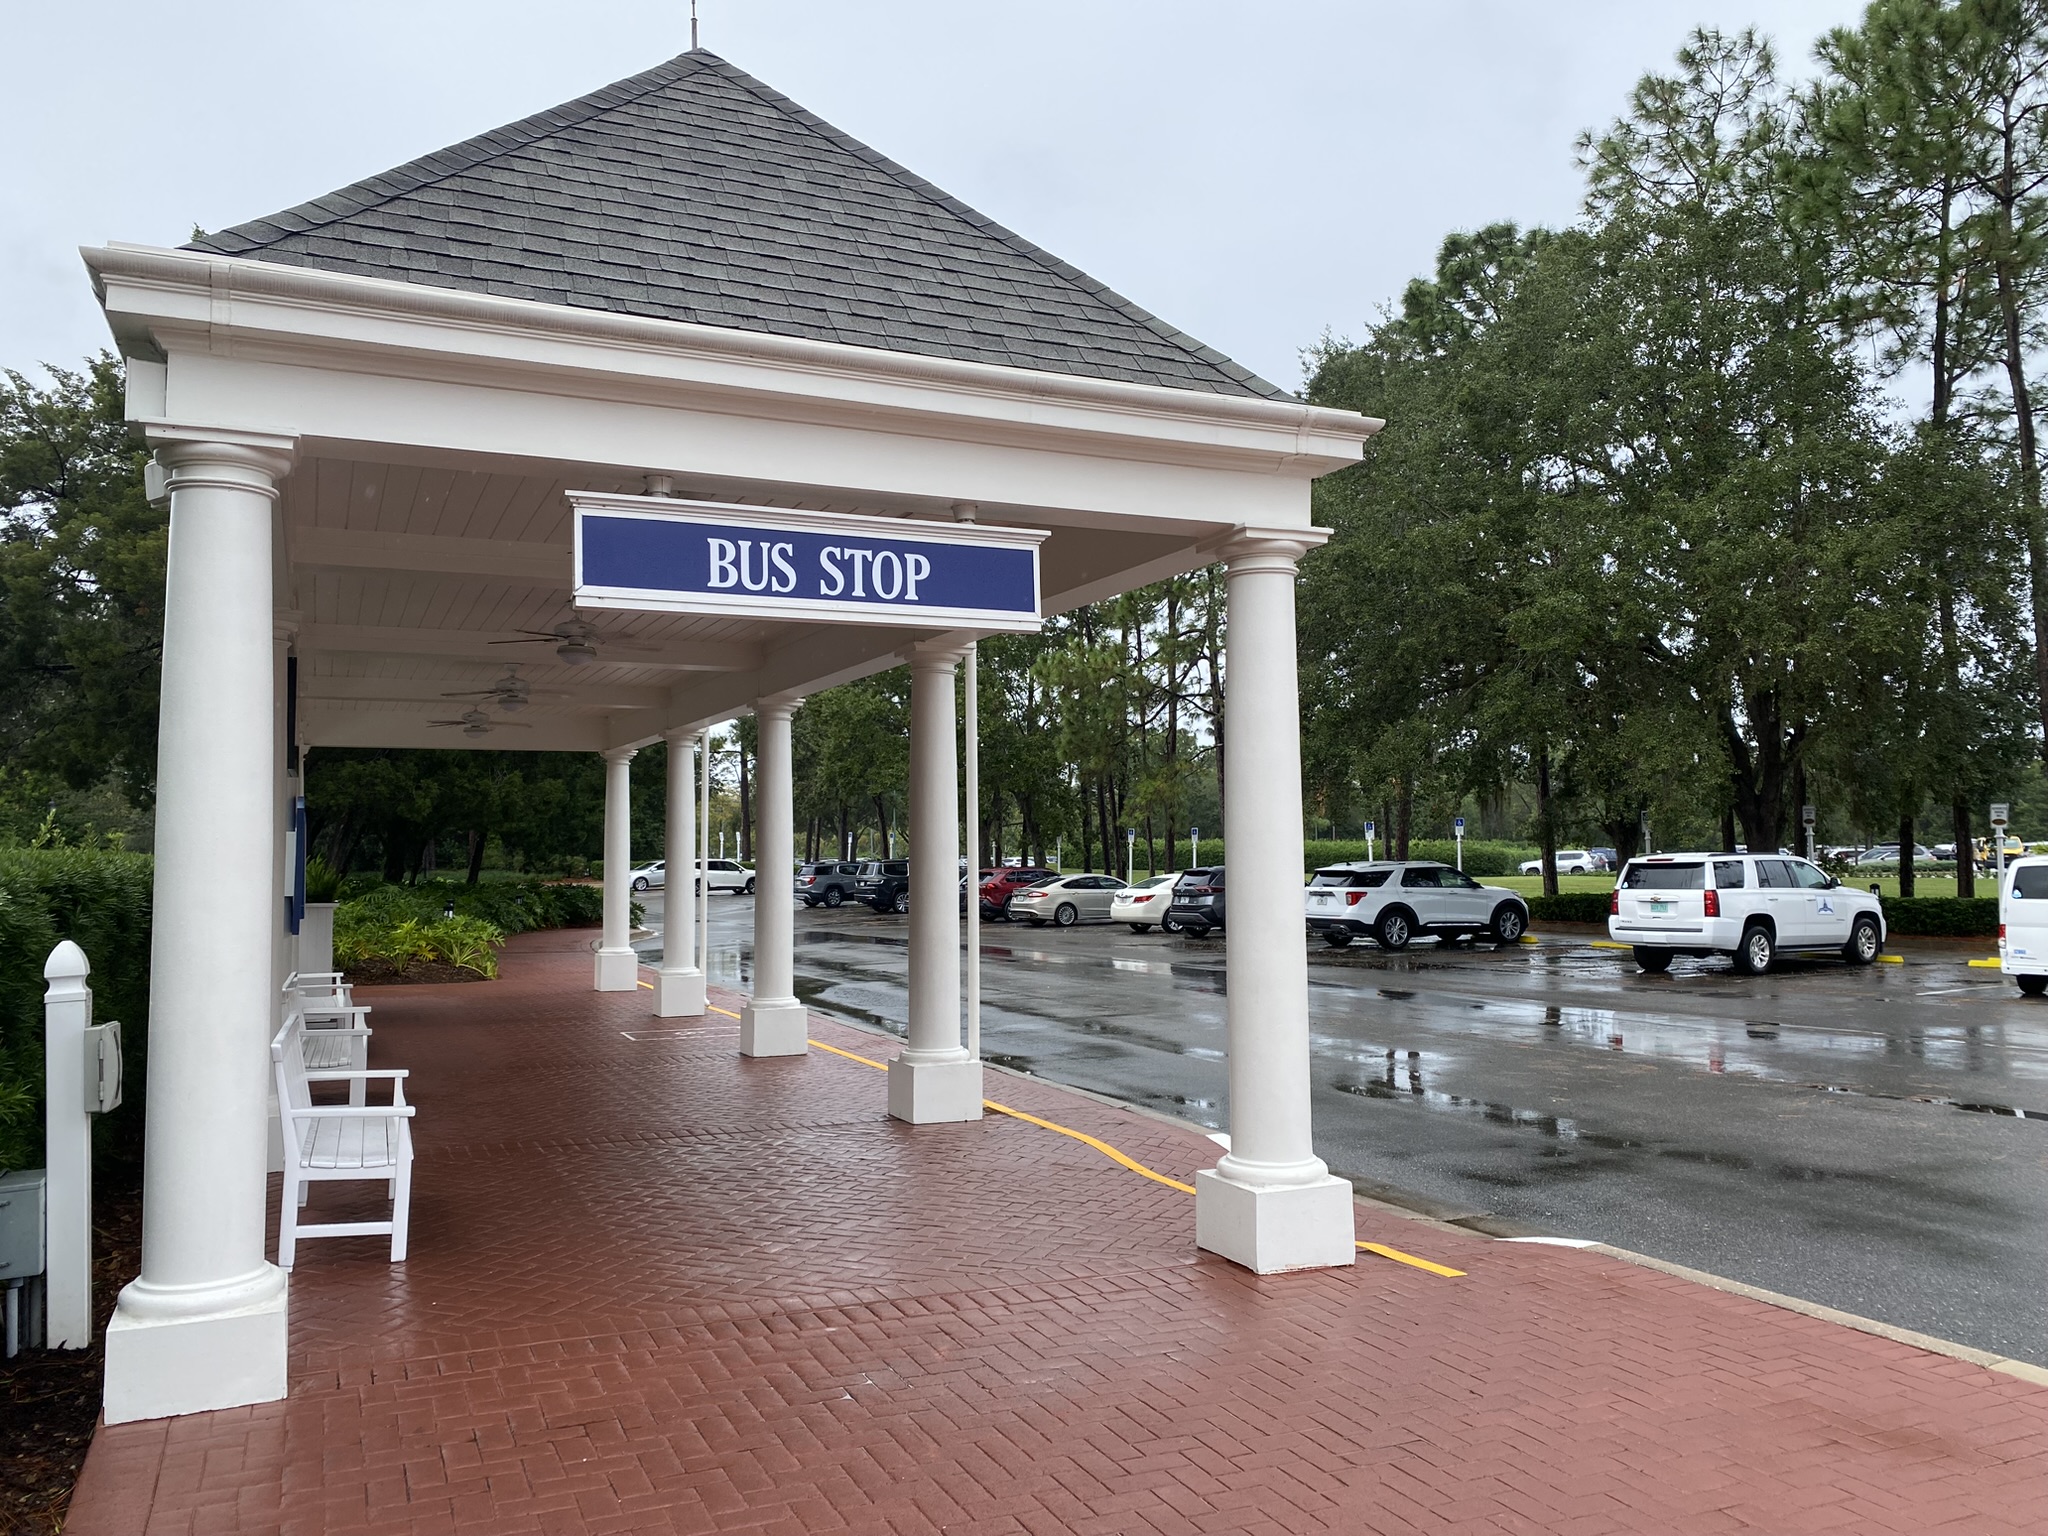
(1951, 917)
(363, 933)
(403, 923)
(101, 902)
(1570, 907)
(323, 880)
(1482, 859)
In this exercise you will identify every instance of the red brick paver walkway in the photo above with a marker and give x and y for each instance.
(656, 1288)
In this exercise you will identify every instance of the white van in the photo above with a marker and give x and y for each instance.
(2023, 923)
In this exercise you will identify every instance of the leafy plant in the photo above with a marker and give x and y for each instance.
(323, 880)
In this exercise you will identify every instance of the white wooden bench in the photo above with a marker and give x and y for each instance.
(327, 1005)
(367, 1142)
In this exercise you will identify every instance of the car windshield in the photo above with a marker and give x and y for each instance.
(1665, 877)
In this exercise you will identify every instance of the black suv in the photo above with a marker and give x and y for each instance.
(884, 884)
(1198, 902)
(830, 884)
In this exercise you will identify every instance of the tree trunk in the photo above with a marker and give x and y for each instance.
(1966, 866)
(1404, 813)
(1905, 855)
(477, 840)
(1728, 838)
(2030, 464)
(1546, 825)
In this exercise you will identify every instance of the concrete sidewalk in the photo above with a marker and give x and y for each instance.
(656, 1288)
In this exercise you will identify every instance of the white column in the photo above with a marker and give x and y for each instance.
(284, 944)
(933, 1078)
(704, 857)
(618, 968)
(679, 986)
(1270, 1204)
(204, 1325)
(774, 1023)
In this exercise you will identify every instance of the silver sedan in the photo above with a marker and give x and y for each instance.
(1067, 900)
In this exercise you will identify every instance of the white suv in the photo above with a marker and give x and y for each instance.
(1752, 906)
(1395, 903)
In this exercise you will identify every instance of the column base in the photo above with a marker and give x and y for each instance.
(777, 1026)
(618, 970)
(934, 1092)
(679, 994)
(1270, 1231)
(157, 1367)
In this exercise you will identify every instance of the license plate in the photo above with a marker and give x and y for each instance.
(1320, 900)
(1659, 908)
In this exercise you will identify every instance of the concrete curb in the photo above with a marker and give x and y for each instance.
(2024, 1370)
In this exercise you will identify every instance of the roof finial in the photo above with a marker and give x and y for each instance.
(693, 26)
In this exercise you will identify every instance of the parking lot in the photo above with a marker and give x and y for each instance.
(1871, 1139)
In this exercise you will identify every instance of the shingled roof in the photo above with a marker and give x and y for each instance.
(694, 192)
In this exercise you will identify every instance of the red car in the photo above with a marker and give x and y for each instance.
(1001, 884)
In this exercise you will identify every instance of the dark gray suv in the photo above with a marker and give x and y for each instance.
(1198, 902)
(826, 884)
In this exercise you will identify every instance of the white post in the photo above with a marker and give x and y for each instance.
(774, 1023)
(1130, 857)
(704, 896)
(972, 796)
(1270, 1204)
(618, 968)
(67, 1149)
(679, 985)
(204, 1325)
(933, 1078)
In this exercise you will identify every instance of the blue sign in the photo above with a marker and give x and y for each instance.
(651, 553)
(1458, 826)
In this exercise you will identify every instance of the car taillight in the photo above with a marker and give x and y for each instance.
(2001, 933)
(1713, 903)
(1614, 902)
(1353, 898)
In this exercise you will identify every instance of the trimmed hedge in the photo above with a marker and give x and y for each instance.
(101, 902)
(1571, 907)
(1481, 859)
(512, 906)
(1942, 917)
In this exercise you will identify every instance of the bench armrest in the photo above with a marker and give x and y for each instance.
(340, 1074)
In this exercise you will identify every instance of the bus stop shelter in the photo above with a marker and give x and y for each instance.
(682, 296)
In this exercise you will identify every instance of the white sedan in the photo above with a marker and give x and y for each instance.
(726, 875)
(1570, 861)
(1144, 905)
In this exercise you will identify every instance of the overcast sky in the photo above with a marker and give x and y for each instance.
(1256, 173)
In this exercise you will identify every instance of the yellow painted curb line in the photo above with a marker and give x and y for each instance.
(1118, 1157)
(1609, 944)
(1984, 965)
(1891, 959)
(1530, 938)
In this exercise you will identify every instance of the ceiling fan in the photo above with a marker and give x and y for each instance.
(511, 693)
(575, 642)
(475, 722)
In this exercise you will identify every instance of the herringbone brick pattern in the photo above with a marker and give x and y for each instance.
(655, 1288)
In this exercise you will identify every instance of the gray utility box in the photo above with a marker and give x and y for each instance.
(21, 1224)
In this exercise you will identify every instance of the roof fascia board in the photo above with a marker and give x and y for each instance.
(156, 298)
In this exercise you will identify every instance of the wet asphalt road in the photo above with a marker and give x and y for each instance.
(1842, 1135)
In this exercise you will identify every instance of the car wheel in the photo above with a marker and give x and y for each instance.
(1655, 961)
(747, 889)
(1394, 930)
(901, 904)
(1863, 946)
(834, 897)
(1510, 922)
(1141, 927)
(1337, 938)
(700, 887)
(2032, 986)
(640, 884)
(1757, 952)
(1066, 915)
(1171, 925)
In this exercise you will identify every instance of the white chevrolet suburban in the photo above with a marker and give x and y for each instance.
(1752, 906)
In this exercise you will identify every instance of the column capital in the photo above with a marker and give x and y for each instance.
(284, 624)
(1268, 549)
(783, 704)
(620, 754)
(681, 735)
(939, 655)
(191, 456)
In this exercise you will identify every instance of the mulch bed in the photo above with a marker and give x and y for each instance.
(382, 973)
(50, 1398)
